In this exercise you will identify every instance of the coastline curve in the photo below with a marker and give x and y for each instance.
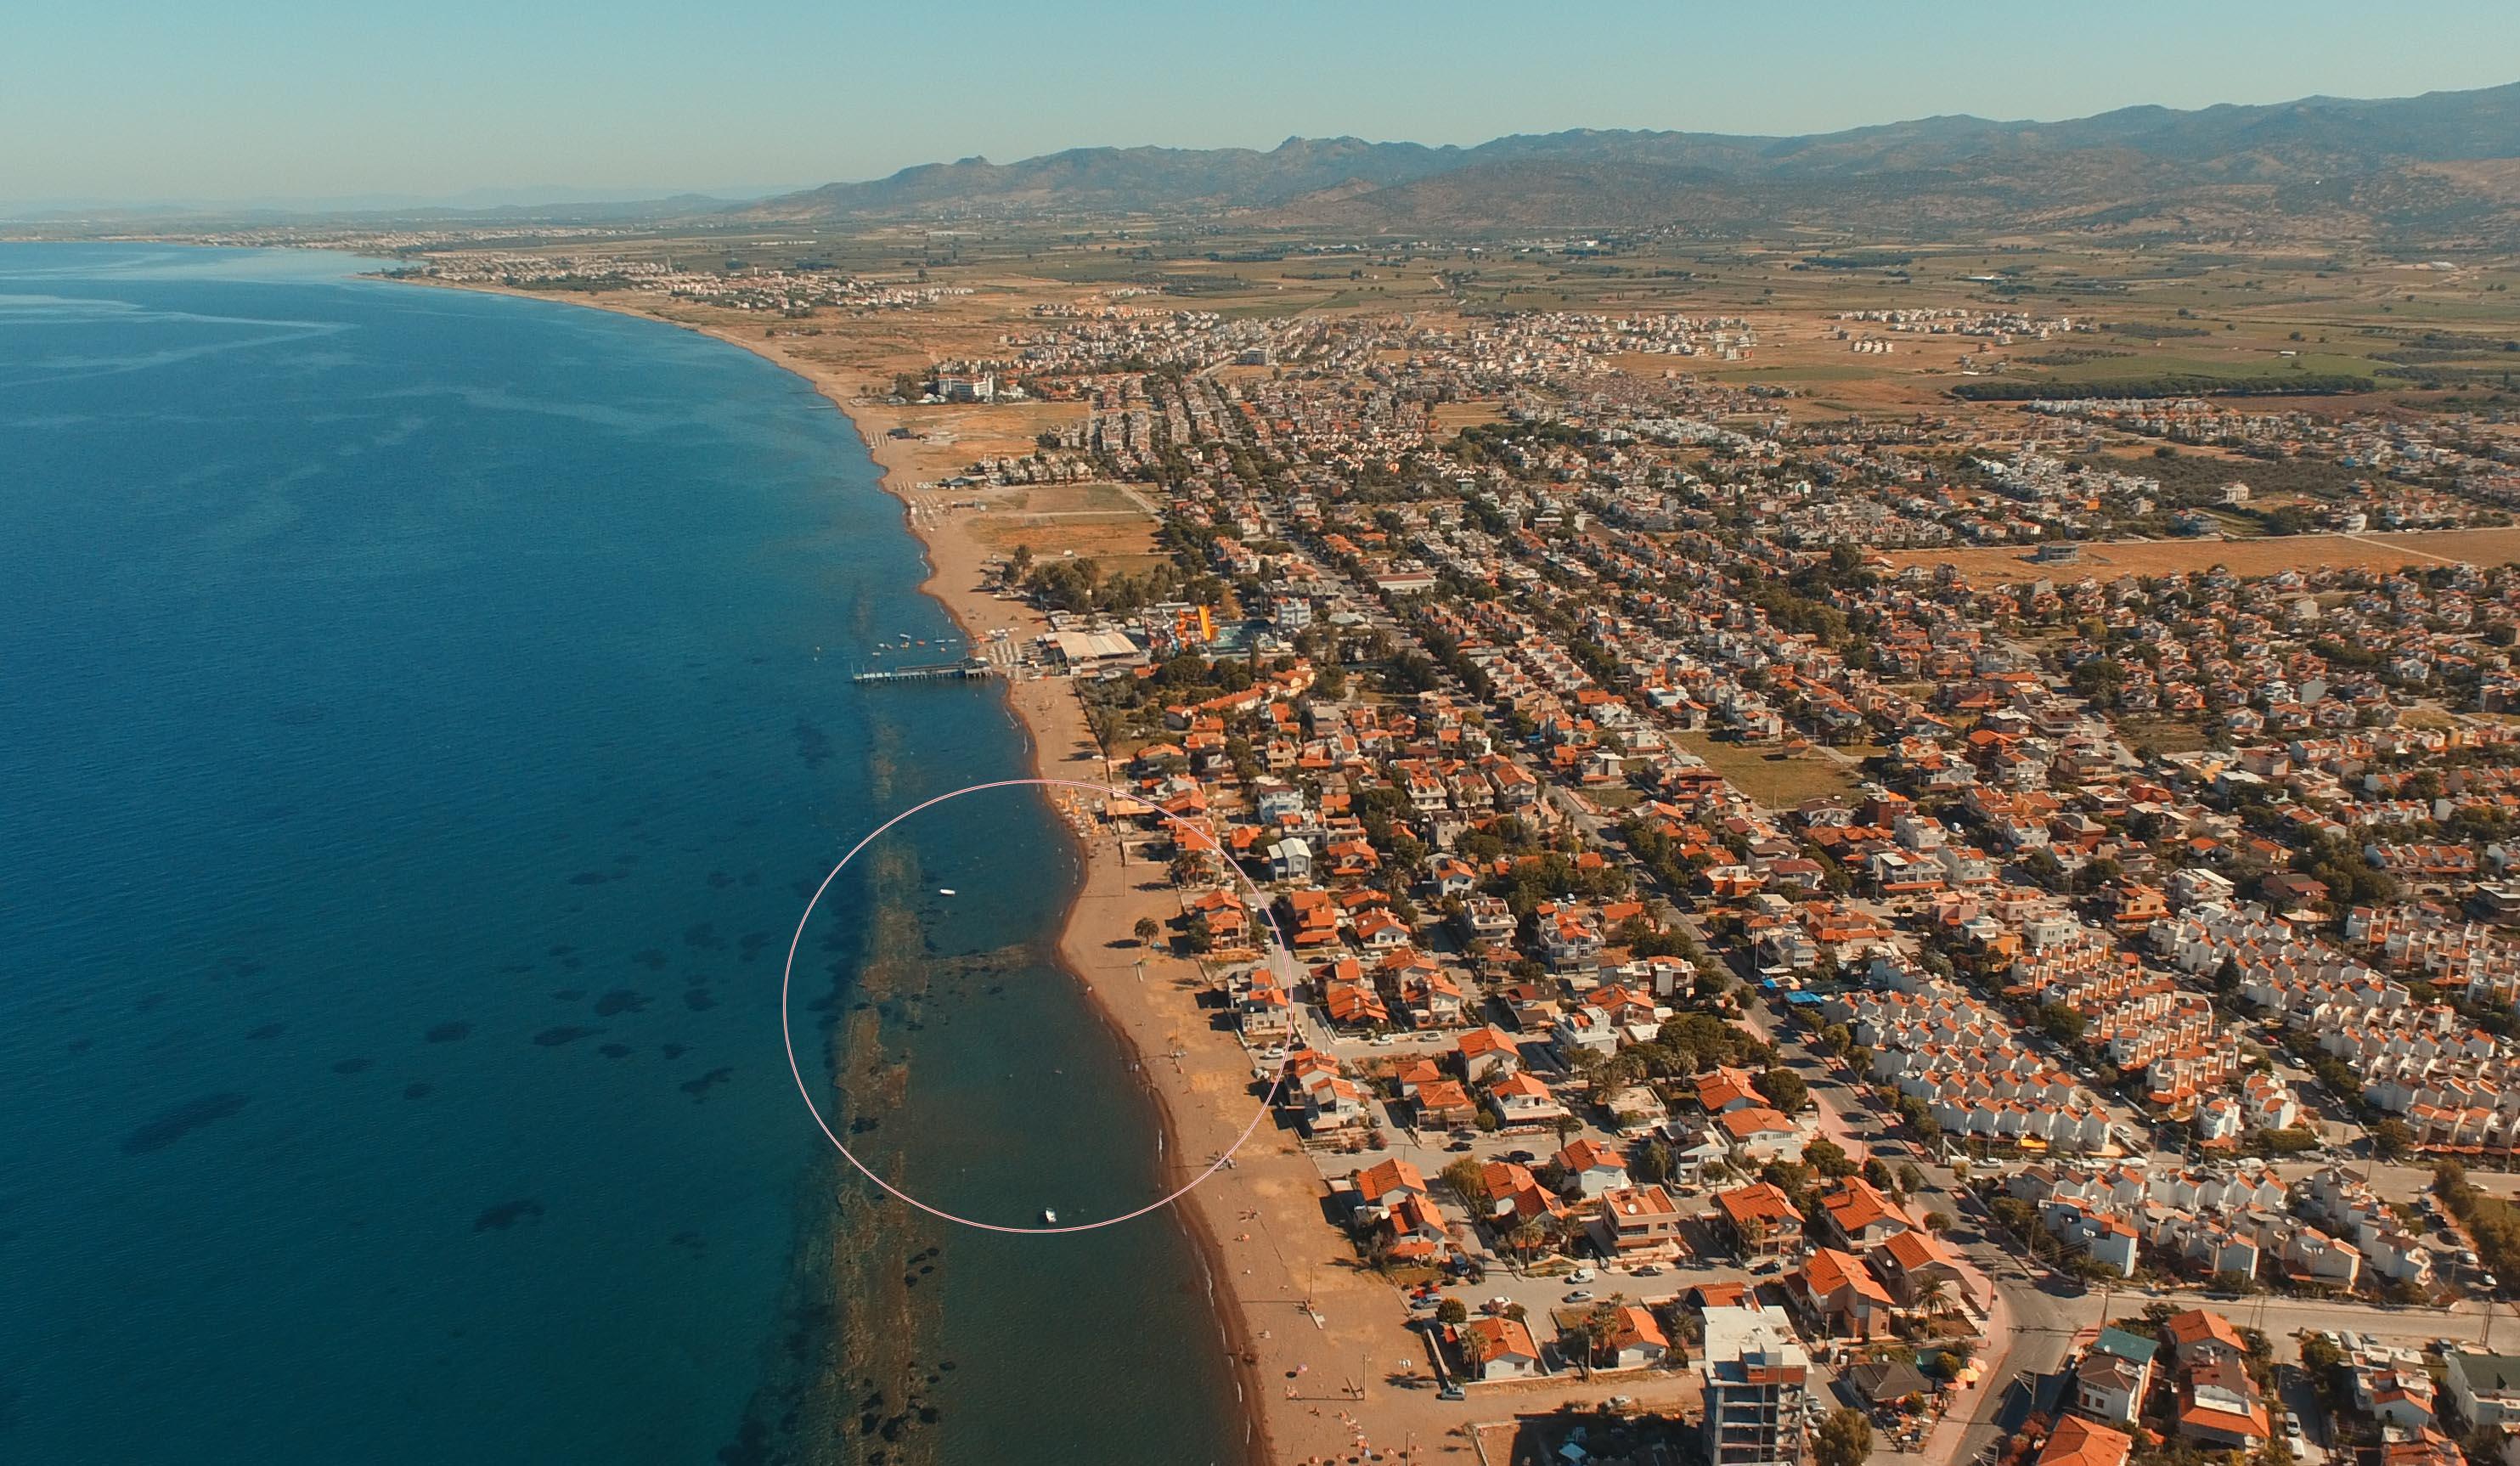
(787, 1041)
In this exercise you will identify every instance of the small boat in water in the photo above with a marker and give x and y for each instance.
(945, 890)
(1048, 1218)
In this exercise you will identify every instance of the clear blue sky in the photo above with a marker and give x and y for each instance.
(143, 100)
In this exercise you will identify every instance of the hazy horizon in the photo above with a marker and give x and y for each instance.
(295, 106)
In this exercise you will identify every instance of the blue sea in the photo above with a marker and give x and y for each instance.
(422, 716)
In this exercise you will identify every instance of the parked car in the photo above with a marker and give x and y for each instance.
(1580, 1295)
(1459, 1145)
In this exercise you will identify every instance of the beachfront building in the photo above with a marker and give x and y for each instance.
(1499, 1348)
(1753, 1376)
(1634, 1340)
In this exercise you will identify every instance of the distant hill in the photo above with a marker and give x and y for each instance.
(2435, 167)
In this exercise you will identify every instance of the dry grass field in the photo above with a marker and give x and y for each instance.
(1774, 777)
(2007, 564)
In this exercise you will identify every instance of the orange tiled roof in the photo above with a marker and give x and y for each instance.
(2081, 1443)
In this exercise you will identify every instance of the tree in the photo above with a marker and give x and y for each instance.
(1469, 1180)
(1828, 1157)
(1937, 1222)
(1845, 1440)
(2393, 1139)
(1783, 1089)
(1836, 1040)
(1451, 1311)
(2058, 1022)
(1148, 929)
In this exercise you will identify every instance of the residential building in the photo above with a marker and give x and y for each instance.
(1753, 1377)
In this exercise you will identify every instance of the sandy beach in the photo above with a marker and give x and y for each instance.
(1317, 1384)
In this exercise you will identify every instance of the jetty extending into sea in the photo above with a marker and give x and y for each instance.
(933, 671)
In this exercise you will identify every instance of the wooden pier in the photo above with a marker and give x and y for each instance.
(935, 672)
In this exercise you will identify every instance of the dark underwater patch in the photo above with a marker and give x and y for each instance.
(508, 1213)
(813, 745)
(698, 1088)
(182, 1121)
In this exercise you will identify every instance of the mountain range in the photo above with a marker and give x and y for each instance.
(2441, 167)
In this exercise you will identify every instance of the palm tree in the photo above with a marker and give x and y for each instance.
(1527, 1238)
(1148, 928)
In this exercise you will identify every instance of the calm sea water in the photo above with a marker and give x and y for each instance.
(421, 716)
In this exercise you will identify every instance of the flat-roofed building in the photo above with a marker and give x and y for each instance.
(1754, 1376)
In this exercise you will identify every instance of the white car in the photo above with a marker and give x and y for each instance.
(1580, 1276)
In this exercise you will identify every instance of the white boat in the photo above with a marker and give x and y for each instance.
(944, 890)
(1048, 1218)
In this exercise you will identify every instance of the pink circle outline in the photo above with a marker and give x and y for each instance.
(787, 1041)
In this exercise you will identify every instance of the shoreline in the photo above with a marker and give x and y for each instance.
(1103, 911)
